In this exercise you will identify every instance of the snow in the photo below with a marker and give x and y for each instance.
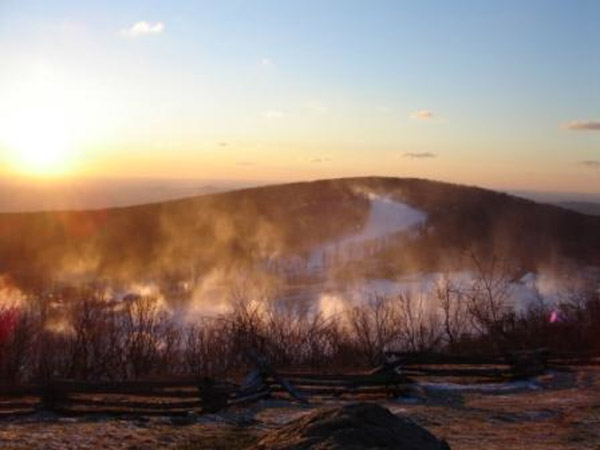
(487, 388)
(386, 217)
(532, 289)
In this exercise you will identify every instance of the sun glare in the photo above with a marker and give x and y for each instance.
(39, 142)
(42, 122)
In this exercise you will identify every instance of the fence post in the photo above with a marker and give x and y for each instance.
(263, 371)
(212, 398)
(528, 363)
(391, 373)
(52, 396)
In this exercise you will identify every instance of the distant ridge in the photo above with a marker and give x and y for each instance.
(590, 208)
(30, 195)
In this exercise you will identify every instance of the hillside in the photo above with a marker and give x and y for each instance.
(177, 237)
(185, 239)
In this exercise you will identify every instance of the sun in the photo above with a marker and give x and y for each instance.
(39, 141)
(43, 120)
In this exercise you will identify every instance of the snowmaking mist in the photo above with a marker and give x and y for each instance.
(308, 246)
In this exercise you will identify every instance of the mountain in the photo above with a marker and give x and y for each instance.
(266, 229)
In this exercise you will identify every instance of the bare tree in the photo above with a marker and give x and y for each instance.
(488, 297)
(90, 344)
(454, 308)
(373, 327)
(141, 344)
(420, 329)
(17, 332)
(207, 348)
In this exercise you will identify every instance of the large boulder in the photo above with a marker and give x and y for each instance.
(354, 426)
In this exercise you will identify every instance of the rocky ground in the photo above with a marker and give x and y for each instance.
(560, 410)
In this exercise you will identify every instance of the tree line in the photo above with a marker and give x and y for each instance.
(96, 337)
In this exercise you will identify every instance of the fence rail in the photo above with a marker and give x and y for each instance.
(196, 396)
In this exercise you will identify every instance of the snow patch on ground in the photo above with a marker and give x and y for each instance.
(484, 388)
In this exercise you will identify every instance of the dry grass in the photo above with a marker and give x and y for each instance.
(227, 439)
(566, 415)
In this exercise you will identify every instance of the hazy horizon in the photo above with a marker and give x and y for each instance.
(29, 195)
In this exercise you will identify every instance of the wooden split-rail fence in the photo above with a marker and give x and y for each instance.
(148, 398)
(204, 395)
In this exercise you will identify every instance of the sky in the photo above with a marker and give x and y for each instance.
(503, 95)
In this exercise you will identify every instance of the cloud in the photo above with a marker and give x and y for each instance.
(582, 125)
(320, 160)
(245, 163)
(420, 155)
(423, 114)
(266, 62)
(142, 29)
(223, 144)
(591, 164)
(273, 114)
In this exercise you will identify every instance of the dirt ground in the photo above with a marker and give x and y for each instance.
(560, 410)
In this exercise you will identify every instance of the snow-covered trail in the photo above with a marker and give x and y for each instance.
(386, 217)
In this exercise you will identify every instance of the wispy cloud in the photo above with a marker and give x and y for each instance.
(266, 62)
(420, 155)
(423, 114)
(245, 163)
(582, 125)
(143, 29)
(273, 114)
(590, 164)
(320, 160)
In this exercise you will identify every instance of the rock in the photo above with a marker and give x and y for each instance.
(354, 426)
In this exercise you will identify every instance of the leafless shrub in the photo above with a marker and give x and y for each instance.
(142, 325)
(488, 296)
(93, 335)
(372, 327)
(207, 349)
(87, 335)
(420, 329)
(324, 343)
(453, 304)
(17, 333)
